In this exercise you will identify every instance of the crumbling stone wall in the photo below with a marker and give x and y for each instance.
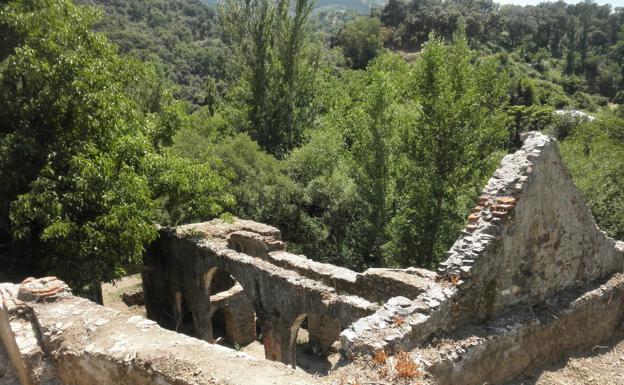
(504, 348)
(72, 341)
(530, 237)
(283, 289)
(183, 263)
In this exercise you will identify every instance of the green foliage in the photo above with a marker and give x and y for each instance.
(524, 92)
(262, 188)
(406, 153)
(453, 151)
(376, 165)
(279, 66)
(81, 146)
(180, 36)
(332, 20)
(371, 124)
(583, 41)
(594, 153)
(584, 101)
(552, 94)
(529, 118)
(361, 40)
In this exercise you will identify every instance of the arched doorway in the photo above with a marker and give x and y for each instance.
(232, 315)
(309, 354)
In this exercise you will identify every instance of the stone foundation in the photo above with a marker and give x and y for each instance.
(71, 341)
(527, 338)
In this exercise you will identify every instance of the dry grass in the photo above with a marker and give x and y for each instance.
(380, 357)
(397, 320)
(405, 367)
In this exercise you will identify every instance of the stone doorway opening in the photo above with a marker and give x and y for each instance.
(310, 356)
(221, 281)
(219, 327)
(232, 315)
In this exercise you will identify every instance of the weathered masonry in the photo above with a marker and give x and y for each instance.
(240, 268)
(530, 278)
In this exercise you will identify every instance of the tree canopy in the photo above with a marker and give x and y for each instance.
(82, 136)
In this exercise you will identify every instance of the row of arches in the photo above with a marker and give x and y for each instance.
(229, 318)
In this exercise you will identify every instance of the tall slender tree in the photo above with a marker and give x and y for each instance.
(280, 60)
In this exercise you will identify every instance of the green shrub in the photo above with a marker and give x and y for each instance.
(584, 101)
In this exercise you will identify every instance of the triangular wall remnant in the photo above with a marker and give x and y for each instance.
(530, 236)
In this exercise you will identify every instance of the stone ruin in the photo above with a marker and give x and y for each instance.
(530, 278)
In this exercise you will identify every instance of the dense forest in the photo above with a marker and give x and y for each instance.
(364, 138)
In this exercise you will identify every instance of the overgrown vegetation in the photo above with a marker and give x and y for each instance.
(364, 139)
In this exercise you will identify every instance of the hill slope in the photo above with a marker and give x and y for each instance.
(361, 6)
(181, 36)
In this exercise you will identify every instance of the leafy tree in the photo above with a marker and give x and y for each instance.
(371, 123)
(407, 150)
(450, 152)
(279, 69)
(578, 40)
(594, 153)
(524, 92)
(180, 36)
(618, 50)
(361, 40)
(82, 151)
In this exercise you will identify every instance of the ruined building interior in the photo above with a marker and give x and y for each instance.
(530, 278)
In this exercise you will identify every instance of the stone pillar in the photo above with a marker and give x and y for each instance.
(280, 339)
(202, 319)
(199, 303)
(323, 331)
(240, 320)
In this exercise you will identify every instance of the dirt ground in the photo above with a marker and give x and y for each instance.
(601, 365)
(111, 293)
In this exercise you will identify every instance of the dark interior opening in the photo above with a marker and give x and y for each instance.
(221, 281)
(187, 319)
(218, 324)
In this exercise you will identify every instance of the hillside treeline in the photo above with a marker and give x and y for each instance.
(577, 46)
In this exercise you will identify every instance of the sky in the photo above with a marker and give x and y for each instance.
(614, 3)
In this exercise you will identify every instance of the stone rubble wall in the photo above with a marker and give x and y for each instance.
(8, 309)
(184, 260)
(8, 375)
(375, 284)
(283, 288)
(511, 345)
(20, 335)
(531, 236)
(239, 314)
